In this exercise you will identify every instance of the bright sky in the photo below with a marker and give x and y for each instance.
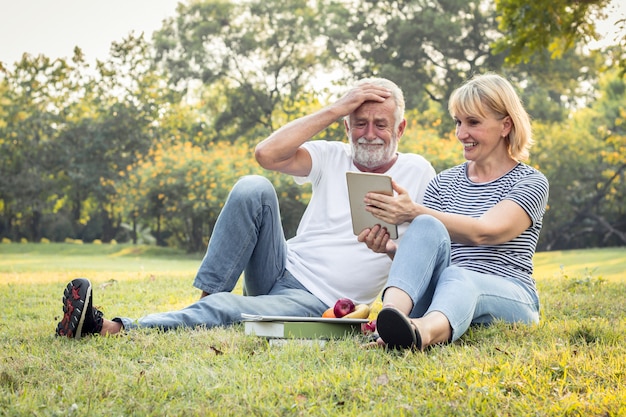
(610, 29)
(55, 27)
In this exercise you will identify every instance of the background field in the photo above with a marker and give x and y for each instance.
(573, 363)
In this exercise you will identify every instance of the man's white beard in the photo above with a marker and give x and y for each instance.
(372, 157)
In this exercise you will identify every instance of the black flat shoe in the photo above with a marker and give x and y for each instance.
(397, 331)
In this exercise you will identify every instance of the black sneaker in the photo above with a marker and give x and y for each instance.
(79, 315)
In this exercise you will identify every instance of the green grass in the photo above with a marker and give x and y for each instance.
(609, 264)
(572, 364)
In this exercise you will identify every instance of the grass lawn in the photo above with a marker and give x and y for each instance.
(572, 364)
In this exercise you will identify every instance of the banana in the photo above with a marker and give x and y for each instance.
(361, 311)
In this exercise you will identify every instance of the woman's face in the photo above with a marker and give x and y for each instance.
(482, 137)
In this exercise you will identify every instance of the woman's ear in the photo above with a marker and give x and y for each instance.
(507, 126)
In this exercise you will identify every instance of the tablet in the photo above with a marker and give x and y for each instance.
(359, 184)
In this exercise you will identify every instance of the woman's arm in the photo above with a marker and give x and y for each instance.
(502, 223)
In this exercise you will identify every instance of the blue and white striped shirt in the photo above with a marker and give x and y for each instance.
(453, 192)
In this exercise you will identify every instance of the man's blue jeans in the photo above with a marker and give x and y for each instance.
(422, 269)
(248, 236)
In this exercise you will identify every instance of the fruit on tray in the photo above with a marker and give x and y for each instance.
(344, 307)
(361, 311)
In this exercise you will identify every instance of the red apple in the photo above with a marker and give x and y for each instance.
(369, 327)
(343, 306)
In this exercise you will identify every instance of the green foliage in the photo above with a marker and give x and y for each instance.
(78, 147)
(424, 139)
(585, 165)
(551, 25)
(427, 47)
(72, 133)
(33, 103)
(554, 88)
(184, 187)
(260, 53)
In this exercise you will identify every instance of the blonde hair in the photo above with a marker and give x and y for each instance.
(491, 93)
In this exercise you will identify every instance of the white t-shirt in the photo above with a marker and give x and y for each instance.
(325, 255)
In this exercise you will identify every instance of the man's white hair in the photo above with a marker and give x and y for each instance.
(396, 93)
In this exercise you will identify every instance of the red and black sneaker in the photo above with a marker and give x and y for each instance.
(79, 315)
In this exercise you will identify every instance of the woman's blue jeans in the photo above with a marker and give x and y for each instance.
(422, 269)
(248, 236)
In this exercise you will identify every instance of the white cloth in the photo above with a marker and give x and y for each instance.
(325, 255)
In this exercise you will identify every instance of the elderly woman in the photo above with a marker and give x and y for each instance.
(467, 256)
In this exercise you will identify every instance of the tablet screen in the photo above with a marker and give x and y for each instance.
(359, 184)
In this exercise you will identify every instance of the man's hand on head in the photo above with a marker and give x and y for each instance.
(360, 94)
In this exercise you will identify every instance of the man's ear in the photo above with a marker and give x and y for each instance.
(401, 128)
(347, 126)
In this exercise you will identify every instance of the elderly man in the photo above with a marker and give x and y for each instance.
(304, 275)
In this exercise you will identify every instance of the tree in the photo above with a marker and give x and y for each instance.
(552, 89)
(428, 46)
(547, 25)
(584, 161)
(66, 132)
(110, 128)
(260, 53)
(33, 104)
(180, 189)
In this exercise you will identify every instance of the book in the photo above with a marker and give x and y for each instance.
(290, 327)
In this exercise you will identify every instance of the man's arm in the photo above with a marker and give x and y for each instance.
(282, 151)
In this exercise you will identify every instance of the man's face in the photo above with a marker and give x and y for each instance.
(373, 136)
